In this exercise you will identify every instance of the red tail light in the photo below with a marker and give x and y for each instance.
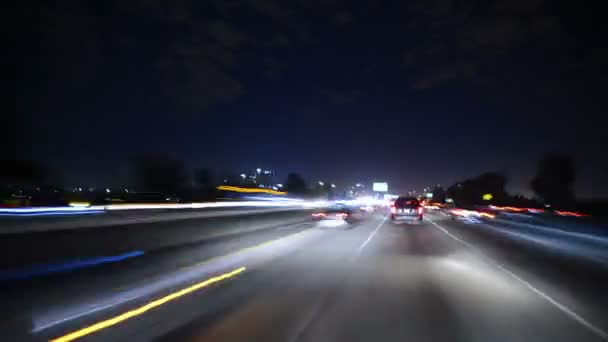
(393, 209)
(420, 210)
(318, 214)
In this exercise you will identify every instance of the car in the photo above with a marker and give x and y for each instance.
(339, 213)
(407, 209)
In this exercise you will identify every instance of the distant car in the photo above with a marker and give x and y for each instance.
(339, 213)
(407, 209)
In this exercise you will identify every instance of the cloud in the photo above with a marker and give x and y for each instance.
(225, 34)
(498, 33)
(270, 8)
(440, 7)
(343, 18)
(196, 83)
(341, 97)
(518, 6)
(442, 74)
(278, 40)
(408, 59)
(273, 68)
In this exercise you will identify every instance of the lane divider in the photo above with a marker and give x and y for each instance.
(371, 236)
(561, 307)
(143, 309)
(185, 268)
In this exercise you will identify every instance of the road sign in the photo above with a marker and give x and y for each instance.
(380, 187)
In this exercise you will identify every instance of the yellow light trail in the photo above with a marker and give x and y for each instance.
(142, 309)
(250, 190)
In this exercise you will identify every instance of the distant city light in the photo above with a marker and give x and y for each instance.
(321, 183)
(258, 170)
(487, 197)
(107, 190)
(333, 185)
(243, 175)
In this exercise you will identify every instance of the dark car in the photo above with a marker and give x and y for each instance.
(338, 212)
(407, 209)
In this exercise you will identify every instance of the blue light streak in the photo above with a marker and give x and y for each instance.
(46, 269)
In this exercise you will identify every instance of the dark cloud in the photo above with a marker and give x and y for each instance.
(343, 18)
(408, 59)
(273, 68)
(270, 8)
(278, 40)
(196, 76)
(496, 33)
(440, 7)
(341, 97)
(225, 34)
(441, 74)
(371, 71)
(518, 6)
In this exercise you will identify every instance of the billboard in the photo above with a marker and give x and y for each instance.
(380, 187)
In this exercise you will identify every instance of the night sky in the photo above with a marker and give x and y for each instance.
(413, 93)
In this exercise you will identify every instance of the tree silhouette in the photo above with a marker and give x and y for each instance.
(158, 173)
(205, 183)
(554, 180)
(204, 178)
(439, 194)
(295, 184)
(471, 191)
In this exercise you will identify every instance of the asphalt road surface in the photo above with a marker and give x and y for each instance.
(439, 280)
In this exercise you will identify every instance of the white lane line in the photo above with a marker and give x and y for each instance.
(371, 236)
(561, 307)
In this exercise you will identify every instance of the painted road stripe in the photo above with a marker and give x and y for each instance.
(143, 309)
(371, 236)
(561, 307)
(205, 262)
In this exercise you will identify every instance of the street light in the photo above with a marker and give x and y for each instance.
(243, 175)
(333, 185)
(258, 170)
(321, 183)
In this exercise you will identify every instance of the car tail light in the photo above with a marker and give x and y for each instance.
(393, 209)
(420, 210)
(318, 215)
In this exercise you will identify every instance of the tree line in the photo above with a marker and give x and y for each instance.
(553, 182)
(553, 185)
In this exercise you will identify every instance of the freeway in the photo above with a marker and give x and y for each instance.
(298, 280)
